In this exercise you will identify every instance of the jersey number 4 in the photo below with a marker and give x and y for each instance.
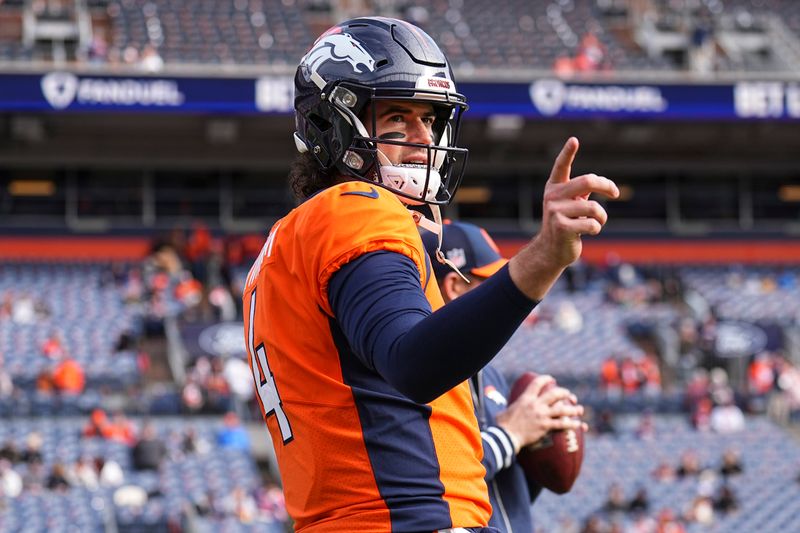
(265, 381)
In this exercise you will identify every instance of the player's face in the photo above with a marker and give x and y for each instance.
(400, 120)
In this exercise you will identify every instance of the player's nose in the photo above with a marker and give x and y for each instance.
(420, 132)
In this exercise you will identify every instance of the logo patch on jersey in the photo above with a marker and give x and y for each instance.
(495, 395)
(372, 194)
(340, 48)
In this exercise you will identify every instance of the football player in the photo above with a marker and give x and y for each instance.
(505, 429)
(360, 377)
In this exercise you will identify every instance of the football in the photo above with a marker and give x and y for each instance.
(555, 461)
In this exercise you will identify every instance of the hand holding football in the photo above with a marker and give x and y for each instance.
(554, 462)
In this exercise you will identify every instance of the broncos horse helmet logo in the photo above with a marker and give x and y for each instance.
(339, 47)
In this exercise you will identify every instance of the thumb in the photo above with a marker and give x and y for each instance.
(535, 387)
(563, 165)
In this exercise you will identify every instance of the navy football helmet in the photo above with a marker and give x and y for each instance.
(357, 63)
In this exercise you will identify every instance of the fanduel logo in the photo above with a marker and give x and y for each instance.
(61, 89)
(551, 96)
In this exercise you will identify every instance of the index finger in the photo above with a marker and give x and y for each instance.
(563, 165)
(583, 186)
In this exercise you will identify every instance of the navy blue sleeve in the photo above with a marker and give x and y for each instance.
(383, 312)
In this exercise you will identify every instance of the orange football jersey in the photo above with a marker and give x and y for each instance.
(354, 454)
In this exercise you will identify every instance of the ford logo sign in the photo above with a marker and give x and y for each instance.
(738, 339)
(226, 338)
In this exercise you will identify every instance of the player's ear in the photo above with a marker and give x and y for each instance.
(452, 286)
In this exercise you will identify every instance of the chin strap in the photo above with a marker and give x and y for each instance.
(435, 226)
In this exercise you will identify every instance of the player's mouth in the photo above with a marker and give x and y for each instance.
(418, 162)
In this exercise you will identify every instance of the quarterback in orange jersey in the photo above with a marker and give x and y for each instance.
(360, 375)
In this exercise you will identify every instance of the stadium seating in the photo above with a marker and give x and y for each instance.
(209, 32)
(767, 490)
(577, 356)
(476, 36)
(182, 479)
(88, 316)
(753, 294)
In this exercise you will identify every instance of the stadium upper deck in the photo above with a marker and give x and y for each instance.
(606, 36)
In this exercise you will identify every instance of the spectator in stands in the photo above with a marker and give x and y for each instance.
(505, 428)
(668, 523)
(149, 452)
(567, 317)
(719, 386)
(85, 473)
(35, 478)
(58, 479)
(616, 499)
(591, 54)
(10, 452)
(701, 414)
(6, 305)
(689, 465)
(194, 444)
(271, 503)
(10, 480)
(96, 425)
(23, 311)
(640, 502)
(53, 346)
(217, 391)
(701, 511)
(130, 495)
(646, 430)
(233, 435)
(787, 399)
(610, 379)
(727, 417)
(118, 429)
(664, 473)
(240, 380)
(642, 523)
(134, 286)
(32, 452)
(68, 377)
(241, 505)
(731, 463)
(150, 60)
(564, 66)
(122, 429)
(208, 505)
(97, 52)
(726, 501)
(696, 388)
(109, 471)
(629, 374)
(761, 375)
(605, 425)
(707, 482)
(651, 375)
(192, 397)
(6, 383)
(595, 524)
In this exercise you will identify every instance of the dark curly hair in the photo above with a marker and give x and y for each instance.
(306, 176)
